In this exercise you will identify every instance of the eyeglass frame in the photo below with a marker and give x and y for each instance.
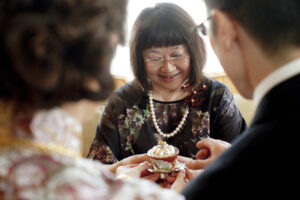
(161, 61)
(202, 27)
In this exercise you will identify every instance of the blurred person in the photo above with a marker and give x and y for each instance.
(54, 68)
(258, 45)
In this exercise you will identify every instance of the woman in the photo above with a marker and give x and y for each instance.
(54, 58)
(170, 98)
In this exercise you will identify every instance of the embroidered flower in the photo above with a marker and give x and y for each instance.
(200, 123)
(131, 124)
(196, 97)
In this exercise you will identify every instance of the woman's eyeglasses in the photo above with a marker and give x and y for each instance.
(176, 60)
(203, 27)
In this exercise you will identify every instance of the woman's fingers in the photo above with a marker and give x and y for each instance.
(171, 179)
(153, 177)
(141, 167)
(133, 171)
(135, 159)
(180, 181)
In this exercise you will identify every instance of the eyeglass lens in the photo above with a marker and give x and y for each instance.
(173, 60)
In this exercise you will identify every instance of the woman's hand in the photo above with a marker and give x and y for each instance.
(134, 170)
(210, 149)
(135, 159)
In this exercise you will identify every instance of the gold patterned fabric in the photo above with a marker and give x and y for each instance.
(40, 159)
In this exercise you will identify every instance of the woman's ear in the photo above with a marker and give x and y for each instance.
(224, 28)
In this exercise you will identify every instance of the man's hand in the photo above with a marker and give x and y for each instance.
(180, 182)
(210, 149)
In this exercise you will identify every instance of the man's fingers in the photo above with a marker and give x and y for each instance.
(203, 153)
(181, 175)
(210, 142)
(198, 164)
(180, 181)
(191, 174)
(203, 143)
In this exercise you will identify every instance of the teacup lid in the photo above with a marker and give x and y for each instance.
(162, 149)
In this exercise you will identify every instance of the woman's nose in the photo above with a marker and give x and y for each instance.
(167, 67)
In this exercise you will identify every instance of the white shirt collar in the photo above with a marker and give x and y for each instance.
(281, 74)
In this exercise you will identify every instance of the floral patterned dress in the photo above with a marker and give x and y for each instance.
(126, 126)
(35, 164)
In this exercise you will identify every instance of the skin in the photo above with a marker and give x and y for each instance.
(168, 78)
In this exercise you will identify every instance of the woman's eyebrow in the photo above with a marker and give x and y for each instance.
(153, 51)
(177, 47)
(148, 51)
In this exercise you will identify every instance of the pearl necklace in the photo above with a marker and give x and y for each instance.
(166, 135)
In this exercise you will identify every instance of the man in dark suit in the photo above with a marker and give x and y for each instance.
(258, 45)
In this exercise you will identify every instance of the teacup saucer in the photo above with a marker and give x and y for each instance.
(178, 166)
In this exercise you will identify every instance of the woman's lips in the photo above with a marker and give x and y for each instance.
(169, 78)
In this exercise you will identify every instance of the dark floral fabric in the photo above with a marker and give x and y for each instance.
(126, 126)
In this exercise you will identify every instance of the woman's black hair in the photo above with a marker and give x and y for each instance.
(51, 49)
(166, 24)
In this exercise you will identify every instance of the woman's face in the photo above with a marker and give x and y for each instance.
(167, 67)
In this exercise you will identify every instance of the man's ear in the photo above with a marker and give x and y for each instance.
(225, 28)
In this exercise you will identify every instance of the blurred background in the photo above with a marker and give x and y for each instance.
(196, 8)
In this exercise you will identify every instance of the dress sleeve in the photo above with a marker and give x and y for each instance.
(106, 144)
(228, 122)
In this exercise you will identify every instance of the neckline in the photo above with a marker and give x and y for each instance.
(168, 102)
